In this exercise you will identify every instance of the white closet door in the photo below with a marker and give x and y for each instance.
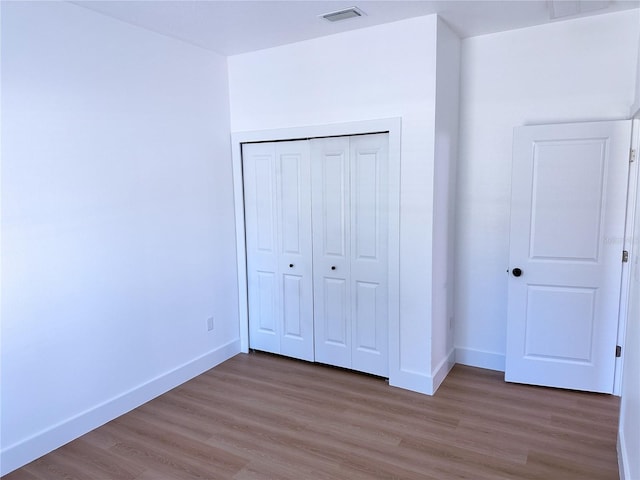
(261, 240)
(349, 189)
(369, 257)
(296, 259)
(331, 256)
(278, 239)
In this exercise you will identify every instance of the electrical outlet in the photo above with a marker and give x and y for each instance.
(210, 324)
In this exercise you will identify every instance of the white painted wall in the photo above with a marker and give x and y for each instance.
(117, 221)
(444, 192)
(635, 108)
(379, 72)
(572, 71)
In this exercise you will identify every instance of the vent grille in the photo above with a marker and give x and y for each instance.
(569, 8)
(351, 12)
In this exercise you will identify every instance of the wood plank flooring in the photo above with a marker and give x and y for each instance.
(260, 416)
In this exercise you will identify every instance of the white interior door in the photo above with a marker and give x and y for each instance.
(279, 250)
(350, 228)
(568, 204)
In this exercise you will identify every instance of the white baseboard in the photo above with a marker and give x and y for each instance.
(480, 359)
(410, 380)
(623, 456)
(442, 369)
(421, 382)
(25, 451)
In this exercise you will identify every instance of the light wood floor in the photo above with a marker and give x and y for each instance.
(259, 416)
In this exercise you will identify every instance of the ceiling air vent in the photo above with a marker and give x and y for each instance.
(351, 12)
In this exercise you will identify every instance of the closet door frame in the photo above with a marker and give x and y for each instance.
(391, 126)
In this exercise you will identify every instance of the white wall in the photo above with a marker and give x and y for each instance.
(635, 108)
(117, 221)
(570, 71)
(372, 73)
(446, 158)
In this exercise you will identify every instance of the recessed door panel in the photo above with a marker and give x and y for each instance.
(366, 303)
(559, 323)
(568, 182)
(292, 306)
(333, 204)
(266, 303)
(334, 322)
(292, 216)
(265, 219)
(366, 205)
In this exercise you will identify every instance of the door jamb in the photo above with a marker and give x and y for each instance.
(390, 125)
(628, 244)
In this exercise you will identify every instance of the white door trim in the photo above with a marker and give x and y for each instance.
(390, 125)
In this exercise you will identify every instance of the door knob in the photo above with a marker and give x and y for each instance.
(333, 267)
(291, 265)
(516, 272)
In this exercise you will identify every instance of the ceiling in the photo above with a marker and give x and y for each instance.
(238, 26)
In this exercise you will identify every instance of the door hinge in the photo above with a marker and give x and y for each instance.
(618, 351)
(625, 256)
(632, 155)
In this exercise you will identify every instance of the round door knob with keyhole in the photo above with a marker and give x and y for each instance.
(516, 272)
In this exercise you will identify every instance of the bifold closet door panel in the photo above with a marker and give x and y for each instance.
(261, 239)
(279, 250)
(350, 245)
(293, 187)
(331, 250)
(369, 253)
